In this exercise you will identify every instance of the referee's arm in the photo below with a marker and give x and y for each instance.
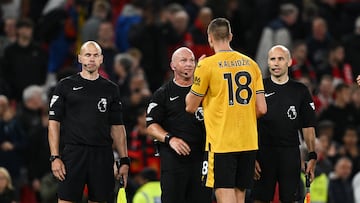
(309, 137)
(118, 135)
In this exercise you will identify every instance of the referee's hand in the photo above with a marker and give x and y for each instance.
(58, 169)
(122, 172)
(180, 146)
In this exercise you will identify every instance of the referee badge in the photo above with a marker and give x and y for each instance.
(291, 113)
(102, 105)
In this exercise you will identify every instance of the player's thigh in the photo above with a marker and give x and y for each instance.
(101, 180)
(245, 169)
(75, 161)
(289, 174)
(264, 188)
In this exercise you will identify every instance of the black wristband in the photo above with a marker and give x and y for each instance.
(312, 155)
(167, 138)
(122, 161)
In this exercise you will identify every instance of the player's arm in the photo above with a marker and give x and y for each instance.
(177, 144)
(261, 107)
(57, 166)
(309, 137)
(118, 135)
(192, 102)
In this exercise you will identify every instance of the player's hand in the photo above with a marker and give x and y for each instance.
(358, 80)
(311, 168)
(202, 57)
(180, 147)
(257, 170)
(58, 169)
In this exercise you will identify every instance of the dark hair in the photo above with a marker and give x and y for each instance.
(25, 22)
(219, 28)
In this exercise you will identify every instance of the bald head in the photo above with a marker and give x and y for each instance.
(88, 44)
(283, 48)
(180, 52)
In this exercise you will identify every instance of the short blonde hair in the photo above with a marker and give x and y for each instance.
(7, 176)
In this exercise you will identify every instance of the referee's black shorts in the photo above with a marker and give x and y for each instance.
(91, 165)
(282, 165)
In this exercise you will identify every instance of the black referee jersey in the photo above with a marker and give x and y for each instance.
(289, 109)
(86, 110)
(167, 108)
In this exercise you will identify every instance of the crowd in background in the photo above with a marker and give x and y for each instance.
(39, 42)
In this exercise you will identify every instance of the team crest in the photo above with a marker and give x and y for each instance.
(291, 113)
(102, 105)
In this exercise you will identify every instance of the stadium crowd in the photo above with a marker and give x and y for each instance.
(39, 42)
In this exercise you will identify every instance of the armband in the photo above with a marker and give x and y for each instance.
(168, 138)
(312, 155)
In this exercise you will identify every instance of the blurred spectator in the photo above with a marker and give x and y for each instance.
(100, 11)
(7, 190)
(9, 36)
(301, 66)
(325, 132)
(277, 32)
(152, 36)
(11, 8)
(180, 22)
(350, 148)
(199, 33)
(123, 64)
(324, 94)
(106, 41)
(352, 48)
(193, 7)
(340, 189)
(149, 191)
(12, 141)
(130, 15)
(355, 103)
(26, 62)
(340, 112)
(356, 187)
(335, 66)
(318, 42)
(48, 189)
(140, 145)
(33, 116)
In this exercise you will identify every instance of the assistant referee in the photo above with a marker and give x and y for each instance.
(290, 110)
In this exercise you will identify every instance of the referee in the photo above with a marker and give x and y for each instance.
(290, 109)
(87, 107)
(181, 135)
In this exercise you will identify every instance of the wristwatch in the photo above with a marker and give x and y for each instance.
(53, 157)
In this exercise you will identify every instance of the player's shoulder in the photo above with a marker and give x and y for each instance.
(297, 84)
(69, 79)
(108, 82)
(162, 91)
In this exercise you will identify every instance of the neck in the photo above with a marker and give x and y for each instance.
(280, 80)
(222, 46)
(89, 75)
(183, 82)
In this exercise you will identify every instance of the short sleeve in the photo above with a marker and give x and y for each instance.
(259, 80)
(155, 112)
(201, 79)
(116, 117)
(307, 109)
(57, 104)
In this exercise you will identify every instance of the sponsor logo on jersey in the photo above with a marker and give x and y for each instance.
(102, 105)
(173, 98)
(197, 80)
(53, 100)
(77, 88)
(269, 94)
(291, 112)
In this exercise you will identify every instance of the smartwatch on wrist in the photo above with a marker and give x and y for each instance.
(168, 138)
(53, 157)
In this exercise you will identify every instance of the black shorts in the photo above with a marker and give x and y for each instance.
(184, 185)
(229, 170)
(89, 165)
(282, 165)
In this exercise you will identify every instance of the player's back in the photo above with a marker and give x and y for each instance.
(229, 103)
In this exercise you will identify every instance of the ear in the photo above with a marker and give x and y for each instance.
(290, 62)
(230, 37)
(172, 66)
(79, 58)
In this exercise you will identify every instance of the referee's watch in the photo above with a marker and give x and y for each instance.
(53, 157)
(312, 155)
